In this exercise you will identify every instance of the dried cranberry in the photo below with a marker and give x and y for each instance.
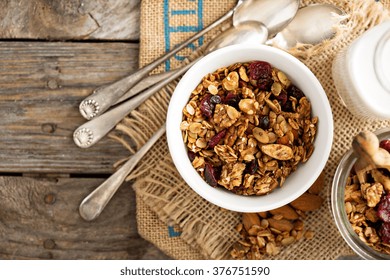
(231, 99)
(215, 99)
(282, 98)
(242, 84)
(294, 91)
(251, 167)
(264, 84)
(206, 106)
(261, 72)
(210, 175)
(264, 122)
(216, 139)
(384, 233)
(191, 155)
(385, 144)
(384, 209)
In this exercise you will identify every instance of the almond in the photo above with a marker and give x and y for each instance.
(288, 240)
(249, 220)
(286, 211)
(281, 225)
(264, 215)
(284, 140)
(309, 234)
(298, 225)
(318, 185)
(307, 202)
(278, 151)
(260, 135)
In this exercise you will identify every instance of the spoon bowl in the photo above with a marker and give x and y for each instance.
(311, 25)
(274, 14)
(249, 32)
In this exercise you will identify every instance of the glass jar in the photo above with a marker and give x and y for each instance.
(361, 73)
(338, 205)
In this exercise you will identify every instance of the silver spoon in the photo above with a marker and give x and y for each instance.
(300, 30)
(274, 14)
(92, 131)
(311, 25)
(91, 207)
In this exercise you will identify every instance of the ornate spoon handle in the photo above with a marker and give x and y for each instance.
(91, 207)
(88, 108)
(142, 85)
(103, 97)
(92, 131)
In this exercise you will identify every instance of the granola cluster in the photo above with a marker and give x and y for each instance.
(247, 127)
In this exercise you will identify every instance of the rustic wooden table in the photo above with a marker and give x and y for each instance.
(52, 55)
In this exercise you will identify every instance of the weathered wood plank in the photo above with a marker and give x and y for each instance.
(39, 220)
(41, 86)
(71, 19)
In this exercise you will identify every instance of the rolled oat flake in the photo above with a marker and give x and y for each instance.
(361, 73)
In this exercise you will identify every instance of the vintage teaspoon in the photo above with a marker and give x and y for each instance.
(91, 207)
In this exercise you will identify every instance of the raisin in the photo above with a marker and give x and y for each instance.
(294, 91)
(287, 107)
(206, 106)
(385, 144)
(231, 99)
(384, 233)
(216, 139)
(191, 155)
(215, 99)
(384, 209)
(264, 122)
(210, 175)
(251, 167)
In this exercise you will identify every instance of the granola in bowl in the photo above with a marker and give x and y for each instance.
(247, 127)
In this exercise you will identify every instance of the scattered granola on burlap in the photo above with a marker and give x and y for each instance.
(264, 234)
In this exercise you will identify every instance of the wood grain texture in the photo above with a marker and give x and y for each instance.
(70, 19)
(39, 220)
(41, 86)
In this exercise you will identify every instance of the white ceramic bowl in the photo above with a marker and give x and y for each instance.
(300, 180)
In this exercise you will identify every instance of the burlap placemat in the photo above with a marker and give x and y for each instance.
(169, 213)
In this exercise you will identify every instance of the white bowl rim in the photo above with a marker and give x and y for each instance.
(218, 196)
